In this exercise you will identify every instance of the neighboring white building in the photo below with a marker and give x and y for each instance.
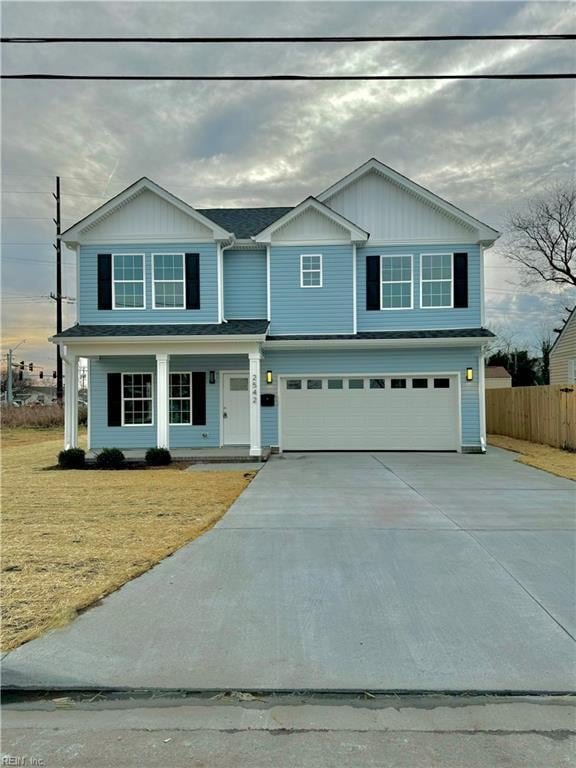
(497, 377)
(563, 353)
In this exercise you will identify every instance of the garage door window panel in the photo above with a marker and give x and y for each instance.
(377, 384)
(293, 384)
(396, 282)
(356, 384)
(441, 383)
(314, 384)
(419, 383)
(335, 384)
(398, 383)
(436, 279)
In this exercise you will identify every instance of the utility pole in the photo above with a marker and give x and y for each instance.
(58, 297)
(9, 389)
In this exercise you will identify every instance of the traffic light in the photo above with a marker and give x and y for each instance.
(41, 375)
(21, 365)
(30, 367)
(54, 375)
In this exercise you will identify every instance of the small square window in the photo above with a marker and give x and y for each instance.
(377, 383)
(335, 384)
(239, 385)
(419, 383)
(441, 383)
(293, 384)
(355, 383)
(314, 384)
(398, 383)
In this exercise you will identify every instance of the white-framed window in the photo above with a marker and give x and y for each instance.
(311, 270)
(396, 278)
(436, 277)
(137, 402)
(180, 398)
(168, 289)
(128, 286)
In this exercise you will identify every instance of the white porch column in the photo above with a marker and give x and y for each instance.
(254, 384)
(70, 401)
(162, 411)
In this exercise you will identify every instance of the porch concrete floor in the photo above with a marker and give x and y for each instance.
(346, 571)
(239, 453)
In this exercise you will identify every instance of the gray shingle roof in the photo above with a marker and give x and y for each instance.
(449, 333)
(231, 328)
(244, 222)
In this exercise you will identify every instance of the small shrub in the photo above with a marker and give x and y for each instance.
(110, 458)
(73, 458)
(158, 457)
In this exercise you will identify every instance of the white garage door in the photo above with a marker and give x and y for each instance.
(418, 413)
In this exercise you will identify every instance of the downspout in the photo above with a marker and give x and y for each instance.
(221, 249)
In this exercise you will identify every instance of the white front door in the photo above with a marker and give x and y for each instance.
(235, 409)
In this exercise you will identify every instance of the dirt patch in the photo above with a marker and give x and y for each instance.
(70, 538)
(553, 460)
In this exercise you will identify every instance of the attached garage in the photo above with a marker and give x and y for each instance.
(376, 412)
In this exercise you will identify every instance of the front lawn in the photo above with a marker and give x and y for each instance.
(71, 537)
(553, 460)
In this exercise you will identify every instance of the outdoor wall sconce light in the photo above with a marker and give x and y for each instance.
(269, 377)
(212, 378)
(469, 374)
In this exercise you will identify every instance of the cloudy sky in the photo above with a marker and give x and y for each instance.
(486, 146)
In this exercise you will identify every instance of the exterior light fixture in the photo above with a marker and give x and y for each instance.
(269, 377)
(469, 374)
(212, 378)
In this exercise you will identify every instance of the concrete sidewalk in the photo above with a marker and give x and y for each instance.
(442, 572)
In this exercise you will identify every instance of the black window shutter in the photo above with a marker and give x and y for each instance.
(192, 281)
(104, 281)
(373, 282)
(114, 399)
(199, 397)
(460, 280)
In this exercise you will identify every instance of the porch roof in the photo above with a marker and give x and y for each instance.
(441, 333)
(231, 328)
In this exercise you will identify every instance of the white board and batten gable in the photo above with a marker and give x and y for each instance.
(309, 223)
(144, 212)
(394, 209)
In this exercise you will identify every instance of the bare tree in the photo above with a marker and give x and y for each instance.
(543, 240)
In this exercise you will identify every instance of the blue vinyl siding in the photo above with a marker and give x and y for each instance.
(328, 309)
(419, 318)
(181, 435)
(88, 300)
(440, 360)
(437, 360)
(245, 292)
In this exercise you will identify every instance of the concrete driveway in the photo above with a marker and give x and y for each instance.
(381, 571)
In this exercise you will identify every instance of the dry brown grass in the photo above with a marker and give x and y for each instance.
(37, 416)
(553, 460)
(71, 537)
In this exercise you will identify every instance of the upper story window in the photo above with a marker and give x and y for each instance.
(168, 280)
(128, 281)
(311, 270)
(396, 282)
(436, 276)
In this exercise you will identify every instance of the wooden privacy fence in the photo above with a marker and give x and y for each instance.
(538, 414)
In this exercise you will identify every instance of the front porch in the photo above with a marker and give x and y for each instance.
(199, 399)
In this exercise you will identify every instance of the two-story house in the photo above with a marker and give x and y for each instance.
(353, 321)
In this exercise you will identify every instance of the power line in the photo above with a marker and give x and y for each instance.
(289, 78)
(292, 39)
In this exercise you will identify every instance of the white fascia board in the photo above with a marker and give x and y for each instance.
(151, 347)
(357, 234)
(467, 341)
(486, 234)
(74, 233)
